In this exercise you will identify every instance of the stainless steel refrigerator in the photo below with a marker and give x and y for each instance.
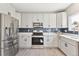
(9, 34)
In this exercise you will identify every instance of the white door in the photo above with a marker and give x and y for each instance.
(62, 45)
(25, 40)
(46, 22)
(59, 20)
(64, 20)
(48, 41)
(22, 41)
(52, 20)
(38, 17)
(29, 41)
(26, 21)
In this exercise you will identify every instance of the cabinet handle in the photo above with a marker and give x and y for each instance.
(66, 45)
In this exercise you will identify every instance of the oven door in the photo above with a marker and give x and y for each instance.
(37, 41)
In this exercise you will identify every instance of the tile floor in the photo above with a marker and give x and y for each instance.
(40, 52)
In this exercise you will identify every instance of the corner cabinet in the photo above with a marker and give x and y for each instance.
(68, 46)
(61, 21)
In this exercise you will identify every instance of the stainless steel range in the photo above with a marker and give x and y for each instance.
(37, 36)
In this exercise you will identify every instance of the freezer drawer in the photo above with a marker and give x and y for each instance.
(9, 51)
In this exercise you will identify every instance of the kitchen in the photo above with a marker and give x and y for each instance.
(39, 29)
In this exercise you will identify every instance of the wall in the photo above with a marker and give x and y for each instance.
(6, 8)
(72, 10)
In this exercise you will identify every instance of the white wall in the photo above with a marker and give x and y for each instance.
(72, 10)
(6, 7)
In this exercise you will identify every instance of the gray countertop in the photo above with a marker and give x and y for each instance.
(71, 36)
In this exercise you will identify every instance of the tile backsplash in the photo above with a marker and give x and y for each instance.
(31, 29)
(64, 30)
(25, 29)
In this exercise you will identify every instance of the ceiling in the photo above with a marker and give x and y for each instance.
(39, 7)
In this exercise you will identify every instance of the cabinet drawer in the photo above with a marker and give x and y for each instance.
(70, 41)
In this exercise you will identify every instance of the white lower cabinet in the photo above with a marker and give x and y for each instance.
(50, 40)
(25, 40)
(70, 49)
(62, 46)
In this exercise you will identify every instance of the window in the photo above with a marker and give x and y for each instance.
(73, 19)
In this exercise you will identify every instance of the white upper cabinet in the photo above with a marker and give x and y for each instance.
(52, 20)
(64, 20)
(46, 21)
(61, 20)
(26, 21)
(37, 17)
(49, 20)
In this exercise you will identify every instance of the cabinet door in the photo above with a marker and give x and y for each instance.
(48, 40)
(37, 17)
(26, 21)
(52, 20)
(46, 22)
(29, 42)
(23, 41)
(59, 20)
(62, 46)
(64, 20)
(55, 40)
